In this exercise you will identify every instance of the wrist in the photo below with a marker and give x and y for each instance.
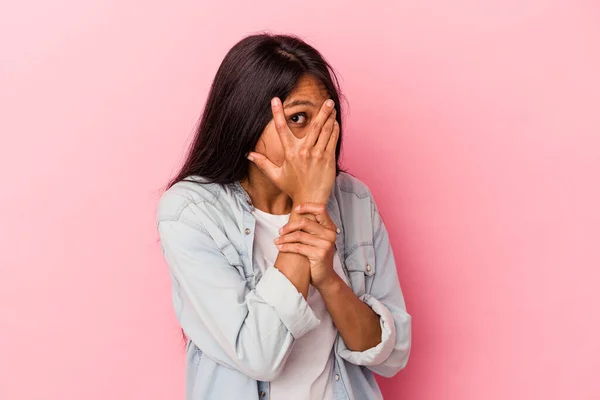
(302, 199)
(330, 285)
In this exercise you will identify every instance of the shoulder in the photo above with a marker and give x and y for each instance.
(350, 186)
(356, 207)
(192, 192)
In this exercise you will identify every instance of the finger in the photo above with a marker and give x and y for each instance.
(326, 131)
(333, 139)
(319, 121)
(319, 210)
(285, 134)
(303, 224)
(310, 227)
(311, 252)
(304, 238)
(265, 165)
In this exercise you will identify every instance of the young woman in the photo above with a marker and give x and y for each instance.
(284, 281)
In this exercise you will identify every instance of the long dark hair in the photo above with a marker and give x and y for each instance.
(258, 68)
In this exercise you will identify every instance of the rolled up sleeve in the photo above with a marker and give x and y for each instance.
(386, 300)
(378, 354)
(291, 307)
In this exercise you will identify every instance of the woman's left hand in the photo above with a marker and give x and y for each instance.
(313, 239)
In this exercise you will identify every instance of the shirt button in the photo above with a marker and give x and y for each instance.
(337, 377)
(368, 268)
(338, 230)
(262, 394)
(247, 231)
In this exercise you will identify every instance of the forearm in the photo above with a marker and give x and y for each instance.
(357, 323)
(295, 267)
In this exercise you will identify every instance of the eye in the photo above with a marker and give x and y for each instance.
(297, 118)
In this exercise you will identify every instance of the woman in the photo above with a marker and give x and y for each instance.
(284, 280)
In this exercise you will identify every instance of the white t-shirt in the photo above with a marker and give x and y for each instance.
(308, 371)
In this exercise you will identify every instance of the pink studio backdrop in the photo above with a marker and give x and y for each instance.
(476, 125)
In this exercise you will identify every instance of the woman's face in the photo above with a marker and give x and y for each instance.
(300, 107)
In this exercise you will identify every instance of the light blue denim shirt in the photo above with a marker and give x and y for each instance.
(242, 324)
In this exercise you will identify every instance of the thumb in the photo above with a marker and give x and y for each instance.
(264, 164)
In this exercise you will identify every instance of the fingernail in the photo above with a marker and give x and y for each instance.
(276, 240)
(297, 209)
(275, 101)
(280, 230)
(249, 157)
(329, 103)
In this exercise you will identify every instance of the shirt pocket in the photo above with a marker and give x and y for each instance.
(360, 265)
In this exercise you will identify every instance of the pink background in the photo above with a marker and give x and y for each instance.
(475, 123)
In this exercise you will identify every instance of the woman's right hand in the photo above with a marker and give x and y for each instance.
(308, 172)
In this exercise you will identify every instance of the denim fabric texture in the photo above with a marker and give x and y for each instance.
(240, 323)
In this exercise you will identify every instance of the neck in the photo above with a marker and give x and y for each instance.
(264, 194)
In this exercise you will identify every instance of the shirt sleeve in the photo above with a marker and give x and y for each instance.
(387, 301)
(248, 330)
(378, 354)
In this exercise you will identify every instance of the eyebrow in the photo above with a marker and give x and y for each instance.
(298, 103)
